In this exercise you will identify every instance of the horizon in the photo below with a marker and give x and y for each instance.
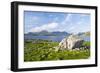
(56, 21)
(57, 31)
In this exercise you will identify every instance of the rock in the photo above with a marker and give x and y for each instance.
(77, 48)
(63, 44)
(72, 42)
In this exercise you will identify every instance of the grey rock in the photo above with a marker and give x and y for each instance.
(72, 42)
(63, 44)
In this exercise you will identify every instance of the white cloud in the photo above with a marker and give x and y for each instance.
(47, 27)
(67, 19)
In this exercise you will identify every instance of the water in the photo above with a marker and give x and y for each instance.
(86, 38)
(54, 38)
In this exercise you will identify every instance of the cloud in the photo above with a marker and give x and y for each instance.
(67, 18)
(66, 23)
(47, 27)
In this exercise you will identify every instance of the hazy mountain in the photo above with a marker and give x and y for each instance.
(54, 36)
(46, 33)
(84, 33)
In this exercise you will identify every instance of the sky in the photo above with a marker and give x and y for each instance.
(56, 21)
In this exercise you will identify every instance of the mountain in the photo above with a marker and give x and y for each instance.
(84, 33)
(54, 36)
(46, 33)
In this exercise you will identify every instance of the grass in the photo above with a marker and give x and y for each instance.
(43, 50)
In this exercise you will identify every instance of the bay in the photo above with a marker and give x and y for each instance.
(54, 38)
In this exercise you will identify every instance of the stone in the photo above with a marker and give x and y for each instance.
(77, 48)
(63, 44)
(72, 42)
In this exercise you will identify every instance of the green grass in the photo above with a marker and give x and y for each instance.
(43, 50)
(86, 44)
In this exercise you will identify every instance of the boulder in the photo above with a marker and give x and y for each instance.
(63, 44)
(72, 42)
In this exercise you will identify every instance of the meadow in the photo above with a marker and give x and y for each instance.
(43, 50)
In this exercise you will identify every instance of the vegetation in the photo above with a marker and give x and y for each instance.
(86, 43)
(40, 50)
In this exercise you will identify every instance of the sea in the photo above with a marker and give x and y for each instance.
(54, 38)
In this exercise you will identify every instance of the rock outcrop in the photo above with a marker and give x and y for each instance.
(71, 42)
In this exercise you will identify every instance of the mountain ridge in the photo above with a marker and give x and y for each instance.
(46, 33)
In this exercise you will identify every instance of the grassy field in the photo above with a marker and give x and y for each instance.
(43, 50)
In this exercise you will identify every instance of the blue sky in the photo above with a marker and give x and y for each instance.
(56, 21)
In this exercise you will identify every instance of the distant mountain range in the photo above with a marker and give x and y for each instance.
(55, 33)
(54, 36)
(84, 33)
(46, 33)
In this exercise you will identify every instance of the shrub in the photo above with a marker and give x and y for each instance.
(44, 51)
